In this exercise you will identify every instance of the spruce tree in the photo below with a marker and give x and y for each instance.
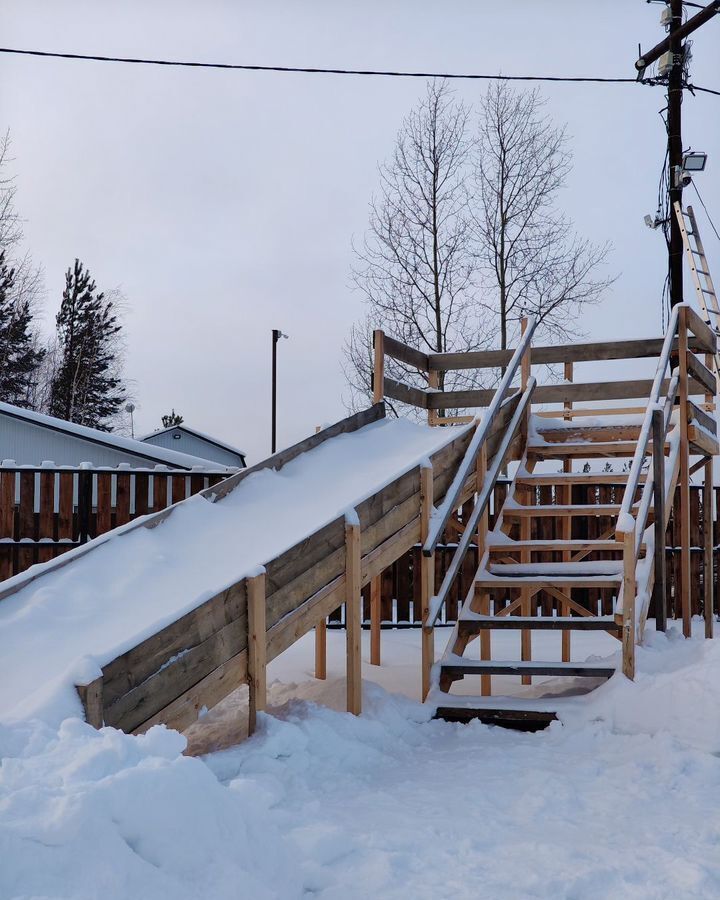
(19, 355)
(171, 420)
(86, 388)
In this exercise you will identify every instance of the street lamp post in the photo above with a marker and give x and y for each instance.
(276, 335)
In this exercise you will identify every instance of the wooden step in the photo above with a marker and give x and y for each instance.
(588, 567)
(558, 546)
(561, 509)
(492, 582)
(473, 623)
(515, 719)
(460, 665)
(585, 449)
(564, 478)
(596, 433)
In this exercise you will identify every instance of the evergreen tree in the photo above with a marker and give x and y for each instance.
(19, 354)
(171, 420)
(86, 388)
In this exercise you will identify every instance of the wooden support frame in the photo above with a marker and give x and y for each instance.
(375, 619)
(378, 365)
(353, 614)
(321, 650)
(257, 648)
(427, 578)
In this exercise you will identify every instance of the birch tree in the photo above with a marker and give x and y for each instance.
(530, 258)
(415, 268)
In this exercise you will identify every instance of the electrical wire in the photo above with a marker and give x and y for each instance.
(315, 70)
(696, 87)
(712, 224)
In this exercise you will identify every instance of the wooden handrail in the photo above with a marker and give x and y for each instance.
(443, 513)
(481, 502)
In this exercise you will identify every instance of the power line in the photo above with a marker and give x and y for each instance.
(712, 224)
(696, 87)
(315, 70)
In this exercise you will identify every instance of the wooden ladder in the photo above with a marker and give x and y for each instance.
(699, 269)
(539, 562)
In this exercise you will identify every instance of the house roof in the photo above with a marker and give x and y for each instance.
(198, 434)
(155, 455)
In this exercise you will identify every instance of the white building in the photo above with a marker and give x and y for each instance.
(187, 440)
(31, 438)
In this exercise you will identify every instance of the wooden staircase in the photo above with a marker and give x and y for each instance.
(520, 575)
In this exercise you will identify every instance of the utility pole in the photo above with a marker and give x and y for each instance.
(276, 335)
(673, 43)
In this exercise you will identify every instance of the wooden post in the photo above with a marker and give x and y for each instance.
(629, 590)
(427, 577)
(433, 384)
(482, 530)
(257, 648)
(708, 598)
(660, 584)
(321, 650)
(566, 522)
(91, 697)
(525, 368)
(525, 530)
(379, 365)
(375, 619)
(353, 615)
(684, 481)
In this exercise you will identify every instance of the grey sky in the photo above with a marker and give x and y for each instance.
(224, 203)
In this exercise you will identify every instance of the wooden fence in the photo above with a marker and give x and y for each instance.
(400, 596)
(47, 510)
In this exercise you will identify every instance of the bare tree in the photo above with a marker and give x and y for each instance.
(416, 266)
(530, 259)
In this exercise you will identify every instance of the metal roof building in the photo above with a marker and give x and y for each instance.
(31, 438)
(188, 440)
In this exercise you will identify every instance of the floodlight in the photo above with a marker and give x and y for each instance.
(694, 162)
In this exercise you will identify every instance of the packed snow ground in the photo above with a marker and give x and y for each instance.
(619, 802)
(61, 628)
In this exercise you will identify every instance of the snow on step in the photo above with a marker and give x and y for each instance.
(452, 663)
(471, 620)
(584, 567)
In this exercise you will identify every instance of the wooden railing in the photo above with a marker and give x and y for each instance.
(639, 577)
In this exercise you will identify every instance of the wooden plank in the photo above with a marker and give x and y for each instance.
(46, 518)
(26, 519)
(401, 352)
(704, 335)
(278, 460)
(122, 498)
(406, 393)
(160, 491)
(142, 492)
(701, 442)
(65, 507)
(179, 488)
(353, 614)
(91, 697)
(103, 521)
(256, 647)
(700, 372)
(702, 418)
(590, 412)
(559, 353)
(7, 520)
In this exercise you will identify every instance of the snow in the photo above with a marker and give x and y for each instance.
(620, 800)
(134, 581)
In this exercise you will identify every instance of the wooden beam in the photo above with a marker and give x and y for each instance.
(375, 619)
(91, 697)
(321, 650)
(433, 383)
(558, 353)
(629, 589)
(685, 583)
(703, 333)
(659, 585)
(257, 648)
(405, 393)
(378, 365)
(427, 578)
(700, 372)
(353, 615)
(404, 354)
(708, 579)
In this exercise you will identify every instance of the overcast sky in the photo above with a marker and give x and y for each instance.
(224, 204)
